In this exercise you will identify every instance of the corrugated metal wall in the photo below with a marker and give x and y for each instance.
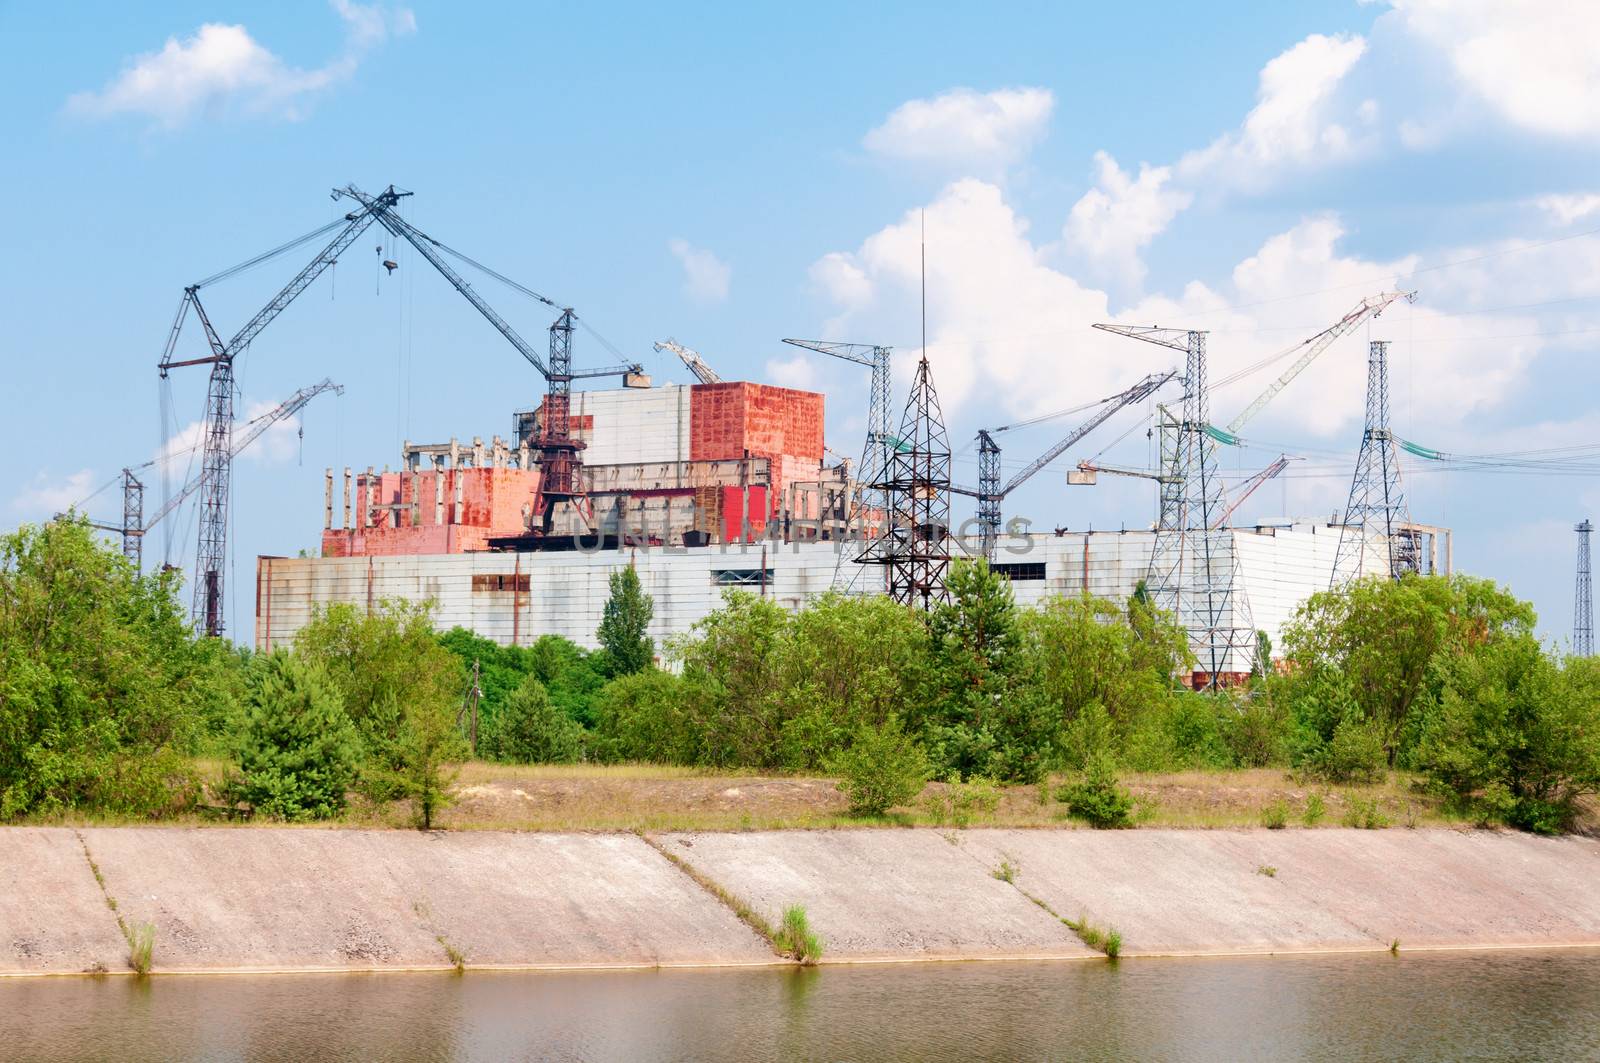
(518, 597)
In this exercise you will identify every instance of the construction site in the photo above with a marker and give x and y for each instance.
(718, 484)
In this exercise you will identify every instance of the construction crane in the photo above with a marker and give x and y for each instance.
(990, 493)
(881, 444)
(1370, 307)
(134, 526)
(560, 465)
(691, 358)
(216, 463)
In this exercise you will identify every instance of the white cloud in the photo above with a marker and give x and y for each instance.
(1566, 209)
(221, 69)
(1535, 62)
(43, 497)
(1011, 333)
(1115, 220)
(705, 276)
(841, 279)
(1292, 123)
(799, 372)
(988, 130)
(279, 443)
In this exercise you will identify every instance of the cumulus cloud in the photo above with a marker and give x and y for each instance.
(1292, 123)
(1010, 332)
(799, 372)
(1117, 218)
(1534, 62)
(705, 276)
(1566, 209)
(44, 496)
(987, 130)
(279, 443)
(222, 70)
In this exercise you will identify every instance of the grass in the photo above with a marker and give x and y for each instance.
(1364, 813)
(1275, 816)
(1108, 941)
(1006, 872)
(747, 915)
(1267, 870)
(1314, 811)
(141, 947)
(795, 938)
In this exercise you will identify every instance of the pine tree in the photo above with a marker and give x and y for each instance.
(622, 629)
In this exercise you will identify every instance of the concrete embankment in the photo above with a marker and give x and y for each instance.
(262, 899)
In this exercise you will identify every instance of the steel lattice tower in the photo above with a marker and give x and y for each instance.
(560, 464)
(916, 545)
(133, 519)
(989, 497)
(1194, 569)
(1376, 518)
(216, 474)
(1582, 607)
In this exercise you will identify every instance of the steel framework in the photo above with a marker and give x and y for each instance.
(915, 546)
(1376, 518)
(881, 443)
(133, 519)
(1194, 568)
(1582, 607)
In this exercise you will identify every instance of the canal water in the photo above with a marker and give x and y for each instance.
(1457, 1006)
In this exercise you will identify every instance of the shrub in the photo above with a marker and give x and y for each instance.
(882, 767)
(646, 717)
(1275, 816)
(1179, 732)
(1315, 809)
(1363, 812)
(1097, 799)
(298, 752)
(531, 730)
(1355, 754)
(958, 803)
(794, 937)
(1257, 733)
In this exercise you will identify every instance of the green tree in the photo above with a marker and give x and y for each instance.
(627, 616)
(103, 687)
(968, 723)
(647, 717)
(298, 752)
(395, 679)
(730, 671)
(882, 767)
(1516, 737)
(531, 729)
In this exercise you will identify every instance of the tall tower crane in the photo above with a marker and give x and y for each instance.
(134, 526)
(990, 493)
(881, 443)
(560, 460)
(691, 358)
(216, 462)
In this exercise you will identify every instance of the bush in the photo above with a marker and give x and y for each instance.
(530, 729)
(959, 802)
(1097, 799)
(298, 752)
(1355, 754)
(646, 717)
(1364, 813)
(882, 767)
(1180, 732)
(794, 937)
(1315, 809)
(1275, 816)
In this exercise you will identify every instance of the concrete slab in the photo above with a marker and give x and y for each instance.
(264, 899)
(1168, 892)
(53, 917)
(567, 899)
(1439, 888)
(304, 898)
(879, 894)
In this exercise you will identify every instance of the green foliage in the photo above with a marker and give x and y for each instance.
(103, 687)
(1006, 872)
(622, 627)
(1363, 812)
(882, 767)
(298, 752)
(1516, 737)
(958, 803)
(141, 947)
(646, 717)
(1315, 809)
(501, 669)
(1258, 729)
(395, 679)
(531, 729)
(730, 666)
(1181, 731)
(1355, 753)
(1275, 816)
(420, 760)
(1097, 799)
(794, 937)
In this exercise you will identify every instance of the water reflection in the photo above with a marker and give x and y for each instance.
(1528, 1005)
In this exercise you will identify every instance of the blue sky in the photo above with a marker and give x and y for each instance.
(732, 175)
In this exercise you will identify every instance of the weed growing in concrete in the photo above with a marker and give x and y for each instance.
(1314, 811)
(1112, 946)
(1275, 816)
(795, 938)
(747, 915)
(1007, 871)
(141, 947)
(1363, 812)
(1108, 941)
(1267, 870)
(1394, 947)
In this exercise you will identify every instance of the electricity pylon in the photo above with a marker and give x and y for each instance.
(1376, 521)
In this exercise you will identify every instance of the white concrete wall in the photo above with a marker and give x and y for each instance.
(634, 425)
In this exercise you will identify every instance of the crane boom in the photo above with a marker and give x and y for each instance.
(1248, 488)
(1371, 306)
(860, 353)
(1138, 393)
(691, 358)
(287, 408)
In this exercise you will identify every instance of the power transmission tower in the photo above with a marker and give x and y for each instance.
(1376, 519)
(1194, 568)
(1582, 608)
(916, 545)
(881, 443)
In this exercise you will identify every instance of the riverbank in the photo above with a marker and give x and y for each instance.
(263, 900)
